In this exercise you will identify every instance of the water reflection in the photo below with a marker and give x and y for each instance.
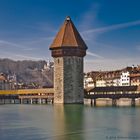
(68, 122)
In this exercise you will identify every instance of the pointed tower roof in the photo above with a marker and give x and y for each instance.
(68, 36)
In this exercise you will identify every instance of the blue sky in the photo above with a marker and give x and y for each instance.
(110, 28)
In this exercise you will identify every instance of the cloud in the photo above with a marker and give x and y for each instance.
(89, 18)
(29, 49)
(20, 56)
(42, 27)
(38, 41)
(20, 52)
(112, 27)
(94, 55)
(6, 44)
(27, 45)
(138, 47)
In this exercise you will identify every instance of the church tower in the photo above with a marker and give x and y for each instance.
(68, 50)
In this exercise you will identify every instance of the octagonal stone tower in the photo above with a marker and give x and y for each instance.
(68, 50)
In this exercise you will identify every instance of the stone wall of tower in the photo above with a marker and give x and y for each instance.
(68, 79)
(58, 80)
(73, 79)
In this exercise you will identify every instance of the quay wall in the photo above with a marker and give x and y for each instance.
(124, 102)
(104, 102)
(137, 102)
(112, 102)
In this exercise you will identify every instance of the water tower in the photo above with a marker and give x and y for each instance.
(68, 50)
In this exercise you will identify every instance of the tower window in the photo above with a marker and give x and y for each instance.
(58, 61)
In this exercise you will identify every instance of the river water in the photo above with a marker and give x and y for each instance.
(68, 122)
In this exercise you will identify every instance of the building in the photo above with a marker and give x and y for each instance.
(108, 78)
(48, 65)
(88, 82)
(135, 79)
(135, 76)
(2, 82)
(115, 78)
(100, 83)
(7, 82)
(68, 50)
(125, 78)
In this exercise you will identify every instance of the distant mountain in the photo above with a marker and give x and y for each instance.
(28, 71)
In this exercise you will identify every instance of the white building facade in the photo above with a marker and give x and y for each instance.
(125, 79)
(101, 83)
(88, 82)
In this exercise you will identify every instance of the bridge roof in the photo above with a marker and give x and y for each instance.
(27, 91)
(114, 89)
(68, 37)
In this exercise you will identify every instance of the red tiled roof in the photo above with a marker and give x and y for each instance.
(135, 75)
(68, 36)
(2, 78)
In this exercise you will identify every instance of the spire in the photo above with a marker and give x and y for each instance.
(68, 36)
(68, 18)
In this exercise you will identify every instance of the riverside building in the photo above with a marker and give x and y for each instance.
(129, 76)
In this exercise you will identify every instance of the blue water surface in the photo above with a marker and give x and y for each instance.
(68, 122)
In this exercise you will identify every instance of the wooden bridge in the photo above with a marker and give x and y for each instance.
(113, 92)
(114, 95)
(28, 96)
(45, 95)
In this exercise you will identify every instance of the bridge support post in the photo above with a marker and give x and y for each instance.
(21, 101)
(52, 101)
(46, 101)
(39, 101)
(9, 101)
(31, 101)
(94, 102)
(13, 101)
(133, 102)
(91, 102)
